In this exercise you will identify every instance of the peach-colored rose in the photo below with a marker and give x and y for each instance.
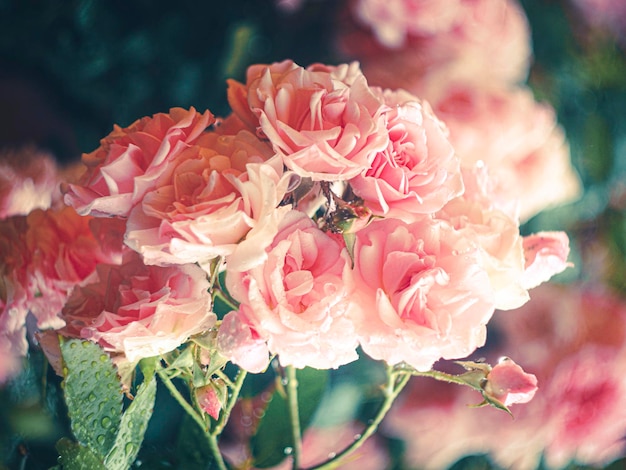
(422, 291)
(298, 300)
(418, 172)
(324, 121)
(64, 253)
(129, 160)
(141, 311)
(220, 197)
(28, 181)
(516, 137)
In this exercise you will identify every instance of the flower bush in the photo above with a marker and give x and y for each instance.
(327, 257)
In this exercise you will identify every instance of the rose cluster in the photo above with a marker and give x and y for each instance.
(339, 213)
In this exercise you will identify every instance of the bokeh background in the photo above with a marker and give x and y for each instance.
(70, 70)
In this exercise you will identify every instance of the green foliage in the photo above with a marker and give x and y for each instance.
(93, 395)
(107, 438)
(273, 440)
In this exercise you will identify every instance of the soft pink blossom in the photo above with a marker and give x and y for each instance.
(393, 20)
(13, 344)
(422, 291)
(418, 172)
(219, 197)
(129, 160)
(545, 255)
(509, 384)
(494, 232)
(487, 41)
(298, 300)
(138, 310)
(324, 121)
(513, 135)
(28, 181)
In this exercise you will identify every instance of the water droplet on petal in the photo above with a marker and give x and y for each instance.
(332, 455)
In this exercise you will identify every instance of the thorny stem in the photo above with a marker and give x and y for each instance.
(396, 381)
(294, 415)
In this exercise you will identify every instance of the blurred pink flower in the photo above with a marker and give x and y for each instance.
(460, 41)
(138, 310)
(418, 172)
(211, 196)
(323, 121)
(129, 160)
(516, 137)
(572, 338)
(422, 292)
(298, 300)
(28, 180)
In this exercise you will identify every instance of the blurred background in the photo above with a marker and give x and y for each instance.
(70, 70)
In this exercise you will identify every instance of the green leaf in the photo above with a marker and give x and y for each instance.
(272, 441)
(133, 427)
(92, 393)
(74, 456)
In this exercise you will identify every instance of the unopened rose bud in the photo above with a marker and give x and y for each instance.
(509, 384)
(211, 397)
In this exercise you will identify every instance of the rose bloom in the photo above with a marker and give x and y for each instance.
(514, 264)
(298, 301)
(516, 137)
(418, 172)
(65, 252)
(28, 181)
(130, 159)
(422, 292)
(215, 194)
(323, 121)
(138, 310)
(487, 40)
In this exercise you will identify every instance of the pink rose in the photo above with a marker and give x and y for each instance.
(141, 311)
(28, 181)
(494, 232)
(218, 198)
(516, 137)
(129, 160)
(422, 291)
(418, 172)
(13, 344)
(324, 121)
(487, 41)
(298, 300)
(545, 255)
(509, 384)
(393, 20)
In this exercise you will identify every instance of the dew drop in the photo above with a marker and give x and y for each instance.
(284, 381)
(100, 439)
(106, 422)
(103, 357)
(357, 437)
(129, 448)
(73, 345)
(288, 450)
(91, 397)
(332, 455)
